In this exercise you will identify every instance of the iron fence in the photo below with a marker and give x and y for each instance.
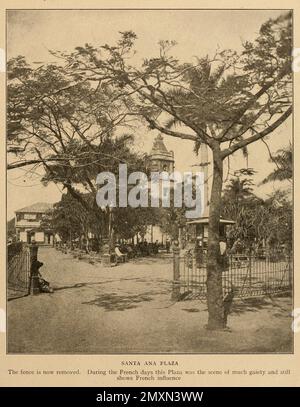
(18, 271)
(250, 276)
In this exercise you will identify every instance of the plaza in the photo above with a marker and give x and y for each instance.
(128, 310)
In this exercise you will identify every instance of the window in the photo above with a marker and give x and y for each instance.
(19, 216)
(30, 216)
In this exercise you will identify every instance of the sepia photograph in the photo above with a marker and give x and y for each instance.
(149, 182)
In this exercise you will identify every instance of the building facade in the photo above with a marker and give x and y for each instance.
(28, 224)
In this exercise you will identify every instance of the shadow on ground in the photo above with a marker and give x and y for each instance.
(151, 260)
(115, 302)
(163, 282)
(17, 296)
(191, 309)
(255, 304)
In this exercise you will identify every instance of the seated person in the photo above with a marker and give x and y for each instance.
(44, 286)
(120, 255)
(130, 251)
(155, 247)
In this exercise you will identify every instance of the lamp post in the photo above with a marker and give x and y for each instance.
(176, 271)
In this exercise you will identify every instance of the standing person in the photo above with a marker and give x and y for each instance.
(223, 253)
(237, 247)
(223, 246)
(146, 247)
(199, 251)
(168, 245)
(33, 250)
(65, 247)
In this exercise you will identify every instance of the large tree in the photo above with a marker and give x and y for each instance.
(69, 127)
(226, 101)
(70, 220)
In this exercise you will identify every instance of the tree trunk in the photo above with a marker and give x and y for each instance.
(214, 267)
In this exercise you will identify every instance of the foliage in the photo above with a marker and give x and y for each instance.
(70, 220)
(258, 221)
(283, 161)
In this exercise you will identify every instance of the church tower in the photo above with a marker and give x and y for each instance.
(161, 159)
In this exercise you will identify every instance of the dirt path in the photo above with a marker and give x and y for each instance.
(127, 309)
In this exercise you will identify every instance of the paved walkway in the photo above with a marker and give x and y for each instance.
(128, 309)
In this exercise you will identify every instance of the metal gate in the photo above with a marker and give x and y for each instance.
(18, 271)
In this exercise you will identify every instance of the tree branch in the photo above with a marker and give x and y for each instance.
(164, 130)
(255, 97)
(228, 151)
(30, 162)
(66, 184)
(169, 108)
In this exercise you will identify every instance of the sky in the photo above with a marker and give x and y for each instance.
(32, 33)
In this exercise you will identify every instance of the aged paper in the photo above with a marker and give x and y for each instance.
(126, 296)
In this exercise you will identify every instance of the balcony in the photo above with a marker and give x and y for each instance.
(26, 223)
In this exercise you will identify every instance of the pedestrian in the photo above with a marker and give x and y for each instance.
(168, 245)
(155, 247)
(33, 250)
(223, 254)
(199, 251)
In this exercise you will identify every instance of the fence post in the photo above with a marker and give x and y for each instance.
(34, 279)
(176, 271)
(250, 269)
(33, 248)
(106, 254)
(290, 268)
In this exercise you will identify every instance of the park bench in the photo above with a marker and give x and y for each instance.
(239, 260)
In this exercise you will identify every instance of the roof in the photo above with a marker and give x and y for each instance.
(39, 207)
(159, 145)
(205, 221)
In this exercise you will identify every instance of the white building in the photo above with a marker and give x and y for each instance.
(28, 224)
